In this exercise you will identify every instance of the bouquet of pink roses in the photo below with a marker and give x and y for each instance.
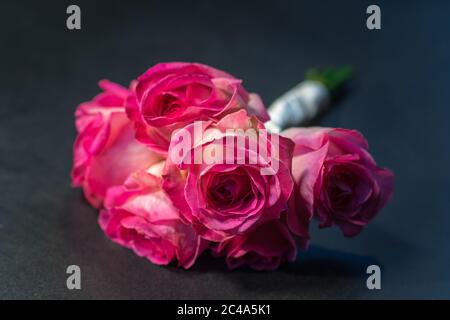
(181, 162)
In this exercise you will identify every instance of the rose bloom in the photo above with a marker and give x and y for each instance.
(264, 248)
(139, 215)
(229, 197)
(169, 96)
(337, 180)
(105, 151)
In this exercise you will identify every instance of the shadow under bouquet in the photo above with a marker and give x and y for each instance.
(185, 160)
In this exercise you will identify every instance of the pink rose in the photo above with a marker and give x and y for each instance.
(337, 180)
(139, 215)
(264, 248)
(231, 196)
(105, 150)
(169, 96)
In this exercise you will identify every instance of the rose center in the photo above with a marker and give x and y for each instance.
(340, 190)
(223, 193)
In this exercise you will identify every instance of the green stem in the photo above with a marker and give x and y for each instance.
(332, 78)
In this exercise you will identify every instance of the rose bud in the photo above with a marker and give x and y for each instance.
(105, 151)
(337, 180)
(264, 248)
(169, 96)
(140, 216)
(221, 183)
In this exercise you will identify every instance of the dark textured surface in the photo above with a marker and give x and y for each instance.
(399, 100)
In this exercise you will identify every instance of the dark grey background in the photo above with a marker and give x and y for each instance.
(399, 100)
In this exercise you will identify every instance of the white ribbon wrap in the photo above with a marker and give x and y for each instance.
(297, 106)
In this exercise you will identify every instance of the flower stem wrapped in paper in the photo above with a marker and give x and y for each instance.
(304, 102)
